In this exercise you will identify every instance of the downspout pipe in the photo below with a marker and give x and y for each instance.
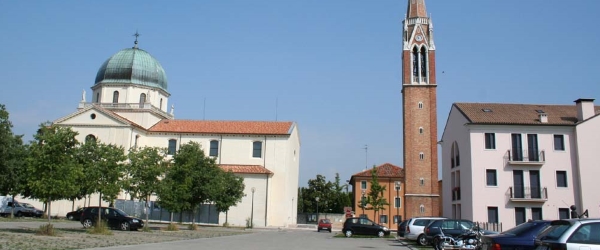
(267, 183)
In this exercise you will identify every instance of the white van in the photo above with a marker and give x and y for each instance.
(6, 203)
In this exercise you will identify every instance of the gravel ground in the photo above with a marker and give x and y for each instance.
(21, 234)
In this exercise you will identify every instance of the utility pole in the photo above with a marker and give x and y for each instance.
(366, 156)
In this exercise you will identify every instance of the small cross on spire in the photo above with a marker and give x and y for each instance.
(136, 39)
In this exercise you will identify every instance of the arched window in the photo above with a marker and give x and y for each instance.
(97, 97)
(422, 209)
(257, 149)
(142, 99)
(420, 105)
(90, 138)
(422, 181)
(415, 64)
(160, 105)
(421, 156)
(420, 130)
(172, 147)
(116, 97)
(423, 62)
(214, 148)
(454, 155)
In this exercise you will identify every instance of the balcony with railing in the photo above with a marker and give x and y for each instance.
(528, 194)
(525, 157)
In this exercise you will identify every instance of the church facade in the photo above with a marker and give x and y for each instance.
(129, 108)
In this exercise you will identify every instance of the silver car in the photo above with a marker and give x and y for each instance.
(571, 234)
(415, 226)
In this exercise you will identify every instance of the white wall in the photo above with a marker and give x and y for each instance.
(588, 138)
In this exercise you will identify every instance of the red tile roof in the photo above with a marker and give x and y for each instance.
(384, 170)
(518, 114)
(245, 169)
(223, 127)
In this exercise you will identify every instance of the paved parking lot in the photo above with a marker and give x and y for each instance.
(288, 239)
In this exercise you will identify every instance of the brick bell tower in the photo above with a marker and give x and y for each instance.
(419, 113)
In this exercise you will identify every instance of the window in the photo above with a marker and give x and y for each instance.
(116, 97)
(420, 105)
(398, 202)
(397, 219)
(563, 213)
(142, 99)
(421, 156)
(491, 178)
(559, 142)
(561, 178)
(172, 146)
(454, 155)
(422, 209)
(519, 215)
(257, 149)
(214, 148)
(536, 213)
(421, 130)
(422, 182)
(586, 234)
(137, 139)
(160, 105)
(90, 138)
(363, 185)
(492, 214)
(490, 141)
(97, 97)
(383, 219)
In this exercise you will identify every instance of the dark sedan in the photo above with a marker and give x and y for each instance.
(521, 237)
(75, 215)
(114, 217)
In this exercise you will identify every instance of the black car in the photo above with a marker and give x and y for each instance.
(402, 228)
(521, 237)
(114, 217)
(75, 215)
(357, 225)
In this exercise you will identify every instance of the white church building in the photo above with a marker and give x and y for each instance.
(129, 108)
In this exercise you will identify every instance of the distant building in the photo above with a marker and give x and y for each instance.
(129, 108)
(392, 178)
(510, 163)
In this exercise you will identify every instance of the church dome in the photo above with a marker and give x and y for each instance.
(132, 66)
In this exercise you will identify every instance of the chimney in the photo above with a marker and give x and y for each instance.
(585, 108)
(543, 118)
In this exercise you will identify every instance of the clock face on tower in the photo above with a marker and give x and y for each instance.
(419, 38)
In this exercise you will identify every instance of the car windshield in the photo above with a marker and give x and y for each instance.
(520, 229)
(119, 212)
(326, 221)
(27, 205)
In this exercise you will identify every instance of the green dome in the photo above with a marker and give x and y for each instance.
(132, 66)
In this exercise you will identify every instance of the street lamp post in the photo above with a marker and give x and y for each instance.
(397, 203)
(362, 203)
(317, 199)
(252, 209)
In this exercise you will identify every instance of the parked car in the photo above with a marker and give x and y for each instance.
(114, 218)
(450, 227)
(364, 226)
(415, 226)
(75, 215)
(570, 234)
(324, 224)
(33, 211)
(8, 205)
(521, 237)
(401, 228)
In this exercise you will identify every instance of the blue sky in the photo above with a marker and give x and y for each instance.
(331, 66)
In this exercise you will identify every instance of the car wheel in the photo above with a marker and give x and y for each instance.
(18, 214)
(348, 233)
(318, 230)
(438, 244)
(125, 226)
(87, 223)
(380, 234)
(70, 217)
(330, 230)
(422, 240)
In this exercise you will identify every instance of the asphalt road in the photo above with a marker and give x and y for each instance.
(288, 239)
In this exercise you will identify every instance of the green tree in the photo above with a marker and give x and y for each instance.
(376, 195)
(53, 171)
(103, 167)
(190, 181)
(143, 173)
(341, 197)
(13, 174)
(229, 192)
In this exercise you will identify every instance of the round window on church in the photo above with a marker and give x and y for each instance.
(93, 116)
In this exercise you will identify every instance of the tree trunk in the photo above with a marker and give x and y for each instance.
(49, 213)
(147, 210)
(73, 205)
(99, 207)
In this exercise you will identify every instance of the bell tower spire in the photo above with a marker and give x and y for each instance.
(419, 108)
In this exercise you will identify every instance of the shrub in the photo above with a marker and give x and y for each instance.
(249, 223)
(47, 230)
(193, 227)
(172, 227)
